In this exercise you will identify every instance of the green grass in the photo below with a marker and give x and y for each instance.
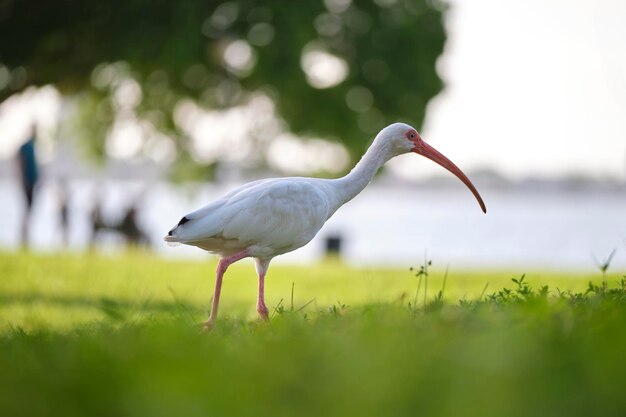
(88, 335)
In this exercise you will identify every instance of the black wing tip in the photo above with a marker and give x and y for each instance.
(183, 221)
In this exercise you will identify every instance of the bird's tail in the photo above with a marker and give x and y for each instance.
(172, 238)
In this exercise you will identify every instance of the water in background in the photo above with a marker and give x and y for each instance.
(555, 229)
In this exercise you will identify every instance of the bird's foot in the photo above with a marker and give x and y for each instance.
(263, 311)
(208, 325)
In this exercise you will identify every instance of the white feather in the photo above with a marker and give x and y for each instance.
(268, 217)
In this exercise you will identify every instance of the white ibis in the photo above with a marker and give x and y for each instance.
(270, 217)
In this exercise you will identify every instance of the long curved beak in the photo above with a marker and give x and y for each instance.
(424, 149)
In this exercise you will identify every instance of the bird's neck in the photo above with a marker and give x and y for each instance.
(346, 188)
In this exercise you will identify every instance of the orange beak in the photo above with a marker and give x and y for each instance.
(424, 149)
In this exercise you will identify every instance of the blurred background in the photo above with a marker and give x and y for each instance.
(118, 117)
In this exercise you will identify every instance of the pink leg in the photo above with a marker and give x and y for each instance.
(261, 269)
(222, 266)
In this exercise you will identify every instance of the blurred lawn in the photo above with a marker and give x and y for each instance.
(62, 291)
(88, 335)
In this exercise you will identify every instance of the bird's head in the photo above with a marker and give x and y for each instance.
(400, 138)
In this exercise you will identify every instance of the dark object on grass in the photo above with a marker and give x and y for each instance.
(128, 227)
(333, 245)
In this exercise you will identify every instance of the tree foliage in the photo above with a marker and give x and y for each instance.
(177, 49)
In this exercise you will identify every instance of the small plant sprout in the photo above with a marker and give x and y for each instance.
(482, 294)
(522, 287)
(439, 296)
(422, 273)
(280, 309)
(604, 266)
(338, 309)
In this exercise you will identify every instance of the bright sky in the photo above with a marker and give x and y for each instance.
(534, 88)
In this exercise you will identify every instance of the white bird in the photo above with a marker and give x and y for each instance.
(267, 218)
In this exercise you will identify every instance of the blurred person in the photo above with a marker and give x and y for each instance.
(129, 227)
(63, 210)
(29, 175)
(97, 222)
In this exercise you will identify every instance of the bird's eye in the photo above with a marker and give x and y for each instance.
(412, 135)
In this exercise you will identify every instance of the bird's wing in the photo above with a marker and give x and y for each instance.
(206, 221)
(277, 213)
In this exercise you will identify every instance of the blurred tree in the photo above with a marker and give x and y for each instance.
(334, 68)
